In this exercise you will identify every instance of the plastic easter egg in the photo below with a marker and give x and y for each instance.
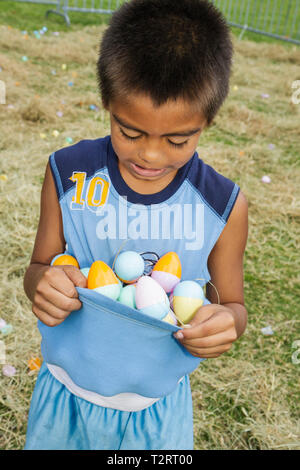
(102, 279)
(167, 271)
(188, 296)
(129, 266)
(127, 296)
(151, 298)
(171, 295)
(85, 271)
(34, 363)
(170, 318)
(64, 259)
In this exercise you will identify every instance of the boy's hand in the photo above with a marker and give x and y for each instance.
(55, 295)
(212, 332)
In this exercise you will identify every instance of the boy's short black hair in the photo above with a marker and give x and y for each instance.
(167, 49)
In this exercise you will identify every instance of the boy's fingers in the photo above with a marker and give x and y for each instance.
(64, 279)
(57, 278)
(220, 321)
(209, 352)
(76, 276)
(45, 318)
(214, 341)
(203, 314)
(56, 304)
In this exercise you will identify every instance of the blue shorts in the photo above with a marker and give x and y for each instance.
(59, 420)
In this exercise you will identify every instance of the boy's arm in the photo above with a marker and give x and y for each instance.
(51, 289)
(215, 327)
(225, 264)
(49, 238)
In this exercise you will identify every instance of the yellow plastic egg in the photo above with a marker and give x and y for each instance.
(188, 297)
(170, 318)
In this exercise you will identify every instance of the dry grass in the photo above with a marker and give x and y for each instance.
(248, 398)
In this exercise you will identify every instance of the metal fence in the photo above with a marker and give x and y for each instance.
(279, 19)
(85, 6)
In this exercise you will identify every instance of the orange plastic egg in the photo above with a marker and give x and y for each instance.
(102, 279)
(167, 271)
(34, 363)
(64, 260)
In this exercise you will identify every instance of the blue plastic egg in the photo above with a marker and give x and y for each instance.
(129, 266)
(127, 296)
(85, 271)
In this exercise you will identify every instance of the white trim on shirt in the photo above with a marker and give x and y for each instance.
(121, 401)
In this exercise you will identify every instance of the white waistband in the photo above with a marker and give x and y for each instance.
(121, 401)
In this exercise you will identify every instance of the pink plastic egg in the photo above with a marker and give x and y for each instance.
(151, 298)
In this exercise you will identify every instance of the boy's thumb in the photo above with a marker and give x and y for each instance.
(76, 276)
(203, 313)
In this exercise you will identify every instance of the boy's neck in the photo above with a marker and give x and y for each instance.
(144, 186)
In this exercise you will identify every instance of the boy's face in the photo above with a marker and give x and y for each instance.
(153, 143)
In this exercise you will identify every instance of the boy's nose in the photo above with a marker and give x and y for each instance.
(150, 155)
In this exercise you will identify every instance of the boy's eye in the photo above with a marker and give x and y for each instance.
(178, 145)
(128, 136)
(181, 144)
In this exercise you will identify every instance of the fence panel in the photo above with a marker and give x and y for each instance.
(93, 6)
(279, 19)
(275, 18)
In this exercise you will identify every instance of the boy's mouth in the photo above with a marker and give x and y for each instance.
(142, 171)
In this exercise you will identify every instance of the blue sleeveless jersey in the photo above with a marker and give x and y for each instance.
(107, 347)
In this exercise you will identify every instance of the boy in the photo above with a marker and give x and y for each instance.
(163, 72)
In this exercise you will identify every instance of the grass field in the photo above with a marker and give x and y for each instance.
(247, 398)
